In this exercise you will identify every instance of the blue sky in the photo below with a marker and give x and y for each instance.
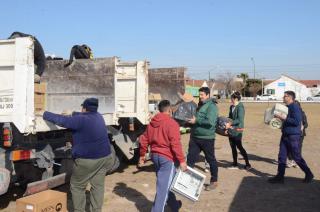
(283, 36)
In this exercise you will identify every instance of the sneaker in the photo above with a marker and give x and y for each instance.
(291, 163)
(294, 165)
(308, 178)
(247, 167)
(276, 179)
(211, 186)
(233, 167)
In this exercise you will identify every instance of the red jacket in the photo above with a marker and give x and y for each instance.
(163, 137)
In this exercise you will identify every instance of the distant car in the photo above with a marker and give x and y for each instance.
(266, 97)
(314, 98)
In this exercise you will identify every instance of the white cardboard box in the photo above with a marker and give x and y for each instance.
(188, 184)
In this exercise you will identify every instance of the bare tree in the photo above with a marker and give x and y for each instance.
(254, 88)
(237, 86)
(226, 80)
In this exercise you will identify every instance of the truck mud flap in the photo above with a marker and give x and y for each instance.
(125, 144)
(43, 185)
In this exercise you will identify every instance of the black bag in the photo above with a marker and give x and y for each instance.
(221, 125)
(39, 56)
(184, 112)
(80, 52)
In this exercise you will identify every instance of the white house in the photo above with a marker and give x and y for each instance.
(285, 83)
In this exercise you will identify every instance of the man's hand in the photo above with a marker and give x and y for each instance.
(281, 116)
(228, 125)
(40, 113)
(192, 120)
(183, 166)
(142, 161)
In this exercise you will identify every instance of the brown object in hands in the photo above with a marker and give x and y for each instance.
(40, 96)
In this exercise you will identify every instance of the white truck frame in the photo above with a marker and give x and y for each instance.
(127, 98)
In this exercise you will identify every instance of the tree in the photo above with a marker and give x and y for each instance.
(244, 77)
(253, 86)
(226, 80)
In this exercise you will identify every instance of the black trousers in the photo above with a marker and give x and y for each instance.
(196, 145)
(236, 142)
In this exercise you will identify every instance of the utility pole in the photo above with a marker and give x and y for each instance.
(254, 68)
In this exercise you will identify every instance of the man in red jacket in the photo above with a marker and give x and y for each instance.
(163, 137)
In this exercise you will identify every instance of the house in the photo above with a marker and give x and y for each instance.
(302, 88)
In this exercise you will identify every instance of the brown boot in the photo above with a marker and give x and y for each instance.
(211, 186)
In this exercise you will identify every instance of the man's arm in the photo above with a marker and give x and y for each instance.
(295, 119)
(210, 119)
(70, 122)
(144, 143)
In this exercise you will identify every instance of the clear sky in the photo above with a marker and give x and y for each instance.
(216, 36)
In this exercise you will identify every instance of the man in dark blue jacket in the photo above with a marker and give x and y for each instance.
(91, 152)
(290, 140)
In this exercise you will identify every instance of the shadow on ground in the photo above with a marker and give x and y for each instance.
(131, 194)
(256, 194)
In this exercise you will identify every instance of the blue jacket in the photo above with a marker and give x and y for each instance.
(90, 136)
(292, 125)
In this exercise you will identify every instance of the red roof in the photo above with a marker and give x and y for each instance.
(310, 83)
(194, 83)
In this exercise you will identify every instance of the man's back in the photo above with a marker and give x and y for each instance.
(90, 136)
(163, 137)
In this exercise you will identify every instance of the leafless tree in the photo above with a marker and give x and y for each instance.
(254, 88)
(226, 79)
(237, 86)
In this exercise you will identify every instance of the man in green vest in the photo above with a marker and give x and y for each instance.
(202, 136)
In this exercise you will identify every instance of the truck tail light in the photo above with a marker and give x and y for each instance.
(22, 155)
(7, 135)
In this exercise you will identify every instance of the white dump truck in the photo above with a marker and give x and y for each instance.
(36, 153)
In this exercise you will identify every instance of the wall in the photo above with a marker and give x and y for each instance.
(284, 84)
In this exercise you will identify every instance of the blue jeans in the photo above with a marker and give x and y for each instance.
(165, 171)
(291, 144)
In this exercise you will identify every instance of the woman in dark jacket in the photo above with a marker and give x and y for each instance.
(235, 130)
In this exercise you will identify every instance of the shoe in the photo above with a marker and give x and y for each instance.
(308, 178)
(233, 167)
(291, 163)
(247, 167)
(294, 165)
(276, 180)
(211, 186)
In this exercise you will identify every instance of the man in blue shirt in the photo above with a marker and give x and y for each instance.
(91, 152)
(290, 140)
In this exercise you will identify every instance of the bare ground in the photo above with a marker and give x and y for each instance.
(239, 190)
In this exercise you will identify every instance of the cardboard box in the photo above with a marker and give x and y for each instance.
(48, 200)
(40, 88)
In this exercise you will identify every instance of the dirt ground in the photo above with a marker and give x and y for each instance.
(239, 190)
